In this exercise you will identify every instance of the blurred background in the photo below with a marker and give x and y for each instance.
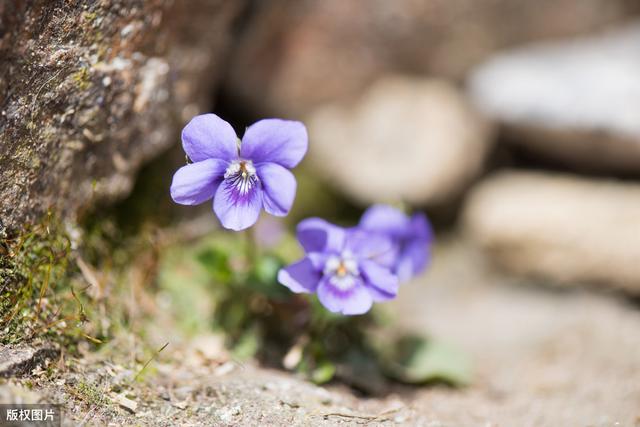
(514, 124)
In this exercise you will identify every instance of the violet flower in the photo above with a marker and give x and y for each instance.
(340, 265)
(412, 237)
(241, 177)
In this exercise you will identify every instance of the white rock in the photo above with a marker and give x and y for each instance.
(407, 139)
(560, 227)
(575, 101)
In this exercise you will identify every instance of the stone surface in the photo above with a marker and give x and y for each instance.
(89, 91)
(407, 139)
(21, 360)
(16, 394)
(576, 102)
(297, 55)
(562, 228)
(542, 356)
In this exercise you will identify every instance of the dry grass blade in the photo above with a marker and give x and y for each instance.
(149, 361)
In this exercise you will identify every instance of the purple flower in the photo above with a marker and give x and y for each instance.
(412, 237)
(340, 265)
(241, 177)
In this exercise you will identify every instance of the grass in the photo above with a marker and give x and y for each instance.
(90, 394)
(50, 289)
(36, 300)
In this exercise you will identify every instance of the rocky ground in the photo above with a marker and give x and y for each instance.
(543, 356)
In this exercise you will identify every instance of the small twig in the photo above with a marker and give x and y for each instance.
(45, 286)
(289, 404)
(86, 417)
(92, 339)
(81, 312)
(149, 361)
(52, 324)
(343, 415)
(362, 417)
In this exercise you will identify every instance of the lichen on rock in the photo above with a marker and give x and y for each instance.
(89, 91)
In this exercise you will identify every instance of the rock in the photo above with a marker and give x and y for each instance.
(21, 360)
(125, 402)
(576, 102)
(18, 395)
(559, 227)
(89, 91)
(298, 55)
(407, 139)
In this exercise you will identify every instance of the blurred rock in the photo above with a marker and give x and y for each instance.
(90, 90)
(297, 55)
(576, 102)
(406, 139)
(559, 227)
(21, 360)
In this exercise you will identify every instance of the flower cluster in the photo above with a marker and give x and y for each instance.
(349, 268)
(242, 177)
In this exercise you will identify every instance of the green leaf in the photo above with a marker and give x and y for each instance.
(248, 344)
(416, 360)
(266, 269)
(323, 373)
(216, 263)
(264, 275)
(360, 369)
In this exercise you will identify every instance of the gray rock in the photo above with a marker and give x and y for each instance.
(89, 91)
(577, 102)
(563, 228)
(298, 55)
(406, 139)
(21, 360)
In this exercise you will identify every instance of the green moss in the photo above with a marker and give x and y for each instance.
(90, 16)
(33, 283)
(90, 394)
(102, 51)
(81, 77)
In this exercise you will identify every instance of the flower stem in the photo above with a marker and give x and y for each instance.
(251, 248)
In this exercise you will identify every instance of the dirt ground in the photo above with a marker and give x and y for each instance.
(542, 356)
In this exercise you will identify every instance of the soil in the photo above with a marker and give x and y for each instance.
(543, 356)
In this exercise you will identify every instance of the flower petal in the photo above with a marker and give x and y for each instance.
(380, 281)
(373, 246)
(237, 211)
(413, 260)
(354, 301)
(207, 136)
(279, 186)
(300, 277)
(196, 183)
(416, 250)
(318, 235)
(318, 259)
(276, 141)
(385, 219)
(421, 228)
